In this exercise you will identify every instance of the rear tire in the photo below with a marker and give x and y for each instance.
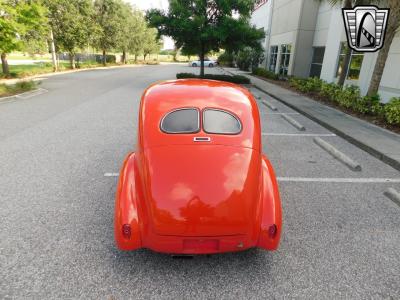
(211, 65)
(194, 65)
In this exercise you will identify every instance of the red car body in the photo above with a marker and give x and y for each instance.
(197, 193)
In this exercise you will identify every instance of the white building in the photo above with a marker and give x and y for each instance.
(307, 38)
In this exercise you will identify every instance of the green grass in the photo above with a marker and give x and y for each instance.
(20, 71)
(19, 87)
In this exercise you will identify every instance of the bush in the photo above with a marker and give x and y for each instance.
(248, 57)
(368, 105)
(239, 79)
(265, 73)
(226, 59)
(109, 58)
(392, 111)
(25, 85)
(348, 96)
(330, 90)
(306, 85)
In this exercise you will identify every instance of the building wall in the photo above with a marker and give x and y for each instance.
(333, 36)
(260, 18)
(307, 24)
(390, 83)
(303, 51)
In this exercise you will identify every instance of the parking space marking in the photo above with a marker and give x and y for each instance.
(280, 113)
(339, 180)
(298, 134)
(317, 179)
(111, 174)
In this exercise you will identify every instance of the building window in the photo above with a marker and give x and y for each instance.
(285, 59)
(272, 58)
(355, 63)
(316, 64)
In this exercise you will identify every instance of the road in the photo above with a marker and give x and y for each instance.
(340, 239)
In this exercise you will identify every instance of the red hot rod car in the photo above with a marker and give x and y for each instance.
(198, 182)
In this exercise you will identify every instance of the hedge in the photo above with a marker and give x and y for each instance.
(350, 98)
(265, 73)
(239, 79)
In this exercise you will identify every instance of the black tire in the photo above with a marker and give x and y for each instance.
(211, 65)
(194, 65)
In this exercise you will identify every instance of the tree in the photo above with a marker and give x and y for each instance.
(347, 55)
(20, 21)
(110, 18)
(126, 31)
(199, 26)
(392, 26)
(136, 38)
(132, 33)
(73, 25)
(151, 43)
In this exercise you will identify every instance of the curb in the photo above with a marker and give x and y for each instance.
(42, 76)
(7, 99)
(376, 153)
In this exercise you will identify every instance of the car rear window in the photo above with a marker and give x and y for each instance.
(220, 122)
(183, 120)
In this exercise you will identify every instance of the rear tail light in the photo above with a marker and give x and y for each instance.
(126, 231)
(272, 230)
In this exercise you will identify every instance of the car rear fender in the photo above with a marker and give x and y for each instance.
(271, 221)
(126, 221)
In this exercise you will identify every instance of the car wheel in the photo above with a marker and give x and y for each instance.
(194, 65)
(211, 65)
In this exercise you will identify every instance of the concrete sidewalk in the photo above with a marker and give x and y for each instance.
(381, 143)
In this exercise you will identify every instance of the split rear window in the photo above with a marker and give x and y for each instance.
(220, 122)
(184, 120)
(187, 120)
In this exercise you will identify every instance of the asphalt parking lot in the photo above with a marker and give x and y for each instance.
(341, 236)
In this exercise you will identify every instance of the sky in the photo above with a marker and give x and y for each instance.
(147, 4)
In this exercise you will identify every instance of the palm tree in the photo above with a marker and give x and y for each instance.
(347, 55)
(392, 26)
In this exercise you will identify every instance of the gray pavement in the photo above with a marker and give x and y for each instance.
(340, 239)
(380, 142)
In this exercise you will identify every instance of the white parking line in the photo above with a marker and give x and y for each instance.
(339, 180)
(111, 174)
(316, 179)
(297, 134)
(280, 113)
